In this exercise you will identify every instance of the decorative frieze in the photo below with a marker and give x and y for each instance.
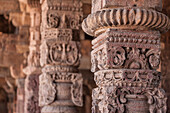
(125, 18)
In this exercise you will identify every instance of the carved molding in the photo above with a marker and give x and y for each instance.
(126, 55)
(60, 83)
(125, 18)
(116, 99)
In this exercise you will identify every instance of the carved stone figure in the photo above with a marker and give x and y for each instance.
(126, 55)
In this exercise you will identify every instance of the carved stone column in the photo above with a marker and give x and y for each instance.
(21, 20)
(126, 55)
(60, 89)
(33, 69)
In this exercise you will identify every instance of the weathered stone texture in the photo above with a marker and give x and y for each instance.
(8, 6)
(126, 56)
(61, 85)
(146, 4)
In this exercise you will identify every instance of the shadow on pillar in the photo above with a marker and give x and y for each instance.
(3, 101)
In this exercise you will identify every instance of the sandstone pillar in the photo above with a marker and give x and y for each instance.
(60, 89)
(33, 69)
(126, 55)
(21, 20)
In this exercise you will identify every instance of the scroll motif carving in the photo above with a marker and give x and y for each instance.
(136, 59)
(109, 100)
(116, 99)
(139, 79)
(61, 52)
(116, 56)
(60, 56)
(157, 101)
(53, 20)
(154, 58)
(60, 20)
(126, 55)
(77, 89)
(47, 90)
(110, 55)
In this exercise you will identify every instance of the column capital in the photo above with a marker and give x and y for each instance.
(133, 18)
(126, 55)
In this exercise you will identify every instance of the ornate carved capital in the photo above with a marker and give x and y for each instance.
(60, 83)
(125, 18)
(126, 55)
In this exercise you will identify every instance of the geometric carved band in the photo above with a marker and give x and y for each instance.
(59, 68)
(134, 80)
(125, 18)
(149, 38)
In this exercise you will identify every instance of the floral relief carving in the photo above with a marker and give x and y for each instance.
(102, 59)
(57, 19)
(109, 100)
(47, 90)
(126, 55)
(60, 56)
(116, 56)
(109, 56)
(31, 97)
(154, 58)
(67, 53)
(157, 100)
(136, 59)
(77, 89)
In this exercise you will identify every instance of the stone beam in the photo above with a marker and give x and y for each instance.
(126, 55)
